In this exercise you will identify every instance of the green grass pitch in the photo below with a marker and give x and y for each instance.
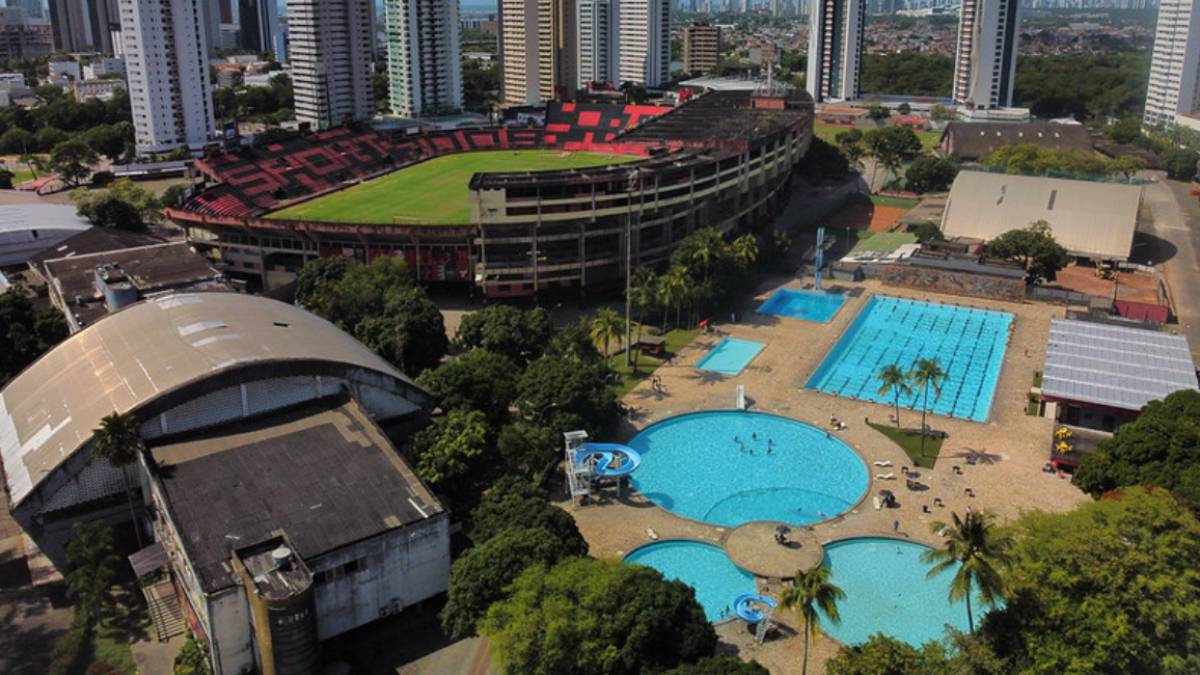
(434, 192)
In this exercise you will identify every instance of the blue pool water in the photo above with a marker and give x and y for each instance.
(704, 567)
(730, 356)
(968, 342)
(887, 592)
(692, 465)
(807, 305)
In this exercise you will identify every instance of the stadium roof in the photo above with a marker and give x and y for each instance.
(1114, 366)
(323, 473)
(144, 353)
(1091, 220)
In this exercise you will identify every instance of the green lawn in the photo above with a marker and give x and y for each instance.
(676, 340)
(910, 443)
(899, 202)
(111, 645)
(882, 242)
(434, 192)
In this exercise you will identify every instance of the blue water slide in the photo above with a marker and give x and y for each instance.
(605, 454)
(748, 606)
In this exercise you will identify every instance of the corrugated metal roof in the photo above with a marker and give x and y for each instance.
(1115, 366)
(1094, 220)
(20, 217)
(132, 357)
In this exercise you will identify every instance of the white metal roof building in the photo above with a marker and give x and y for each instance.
(1114, 366)
(181, 363)
(27, 229)
(1090, 219)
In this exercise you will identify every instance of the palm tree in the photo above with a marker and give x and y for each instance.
(709, 248)
(895, 381)
(607, 324)
(927, 374)
(642, 295)
(119, 442)
(809, 592)
(745, 249)
(979, 550)
(673, 290)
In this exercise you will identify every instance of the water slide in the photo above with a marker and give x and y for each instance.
(748, 606)
(604, 455)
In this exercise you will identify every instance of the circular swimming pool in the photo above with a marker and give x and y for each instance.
(730, 467)
(887, 591)
(704, 567)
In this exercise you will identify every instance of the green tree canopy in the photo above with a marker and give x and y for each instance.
(1033, 159)
(450, 449)
(504, 329)
(930, 174)
(381, 305)
(564, 393)
(1180, 163)
(1161, 448)
(123, 205)
(597, 616)
(882, 655)
(1034, 249)
(25, 333)
(529, 449)
(823, 162)
(719, 665)
(72, 160)
(478, 380)
(1111, 587)
(481, 576)
(93, 569)
(515, 502)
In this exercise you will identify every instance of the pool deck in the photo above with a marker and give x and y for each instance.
(1007, 479)
(752, 547)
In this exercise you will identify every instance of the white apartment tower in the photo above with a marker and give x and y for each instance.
(166, 60)
(835, 48)
(1174, 87)
(518, 52)
(423, 48)
(330, 49)
(985, 61)
(597, 58)
(644, 42)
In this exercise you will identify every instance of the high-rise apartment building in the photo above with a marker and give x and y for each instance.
(701, 48)
(835, 48)
(644, 42)
(597, 29)
(258, 22)
(985, 60)
(166, 65)
(519, 52)
(22, 37)
(558, 72)
(330, 48)
(1174, 87)
(84, 25)
(424, 56)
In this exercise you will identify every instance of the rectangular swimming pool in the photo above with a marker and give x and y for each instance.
(730, 356)
(969, 343)
(806, 305)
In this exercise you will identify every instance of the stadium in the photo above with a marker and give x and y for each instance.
(505, 211)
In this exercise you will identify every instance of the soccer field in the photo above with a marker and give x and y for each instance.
(434, 192)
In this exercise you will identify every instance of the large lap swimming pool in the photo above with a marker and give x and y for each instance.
(732, 467)
(704, 567)
(887, 592)
(969, 343)
(807, 305)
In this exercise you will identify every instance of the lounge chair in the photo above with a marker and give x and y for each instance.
(883, 462)
(878, 503)
(651, 534)
(885, 476)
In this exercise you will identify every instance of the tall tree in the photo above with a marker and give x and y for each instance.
(809, 592)
(504, 329)
(606, 324)
(25, 332)
(642, 295)
(977, 552)
(745, 250)
(92, 568)
(1034, 249)
(448, 450)
(927, 374)
(893, 380)
(72, 160)
(119, 442)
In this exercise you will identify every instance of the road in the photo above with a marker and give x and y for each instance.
(1171, 243)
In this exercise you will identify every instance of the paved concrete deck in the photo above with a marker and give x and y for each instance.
(753, 548)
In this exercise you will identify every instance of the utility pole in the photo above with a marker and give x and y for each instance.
(633, 184)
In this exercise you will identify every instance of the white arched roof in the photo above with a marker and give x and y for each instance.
(146, 352)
